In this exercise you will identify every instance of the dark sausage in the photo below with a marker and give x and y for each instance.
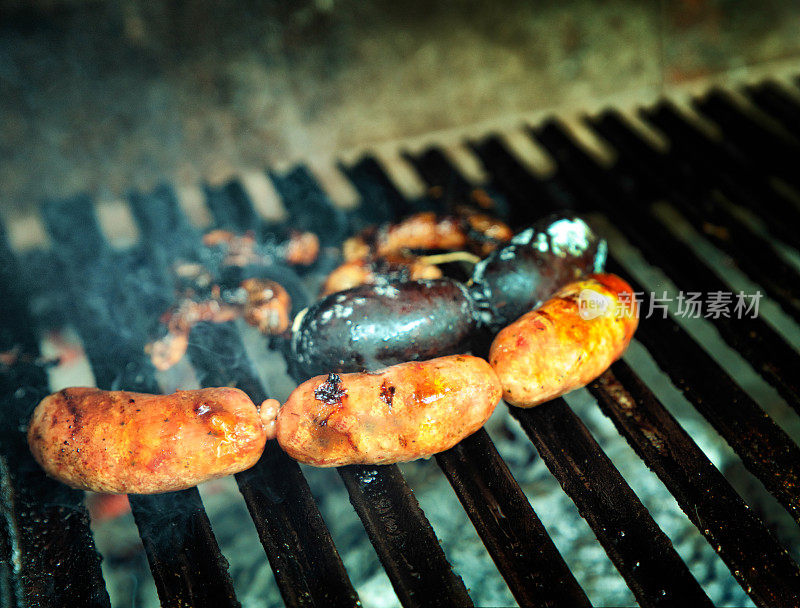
(372, 326)
(533, 265)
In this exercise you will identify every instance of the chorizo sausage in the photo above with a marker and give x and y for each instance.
(567, 342)
(404, 412)
(123, 442)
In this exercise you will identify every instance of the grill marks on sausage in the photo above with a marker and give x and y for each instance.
(330, 393)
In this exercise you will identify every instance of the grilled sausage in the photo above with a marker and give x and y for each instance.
(536, 262)
(404, 412)
(372, 326)
(567, 342)
(122, 442)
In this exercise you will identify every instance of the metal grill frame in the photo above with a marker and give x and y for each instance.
(48, 552)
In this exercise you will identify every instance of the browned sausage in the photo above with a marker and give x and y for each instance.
(567, 342)
(404, 412)
(121, 442)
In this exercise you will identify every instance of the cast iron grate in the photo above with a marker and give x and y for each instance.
(48, 555)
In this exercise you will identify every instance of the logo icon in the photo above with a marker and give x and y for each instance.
(592, 304)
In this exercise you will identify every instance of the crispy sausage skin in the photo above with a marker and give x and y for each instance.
(122, 442)
(401, 413)
(567, 342)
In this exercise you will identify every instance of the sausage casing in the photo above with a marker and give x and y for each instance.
(123, 442)
(404, 412)
(515, 278)
(567, 342)
(372, 326)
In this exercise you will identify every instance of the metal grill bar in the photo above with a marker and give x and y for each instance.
(231, 208)
(513, 534)
(381, 200)
(756, 341)
(301, 552)
(305, 562)
(437, 171)
(404, 540)
(764, 448)
(309, 207)
(778, 104)
(639, 549)
(184, 557)
(730, 170)
(676, 178)
(773, 151)
(760, 564)
(47, 550)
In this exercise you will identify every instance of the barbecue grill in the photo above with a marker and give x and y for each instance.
(731, 182)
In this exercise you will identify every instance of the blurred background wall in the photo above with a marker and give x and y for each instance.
(101, 96)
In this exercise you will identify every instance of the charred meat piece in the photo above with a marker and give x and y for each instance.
(169, 349)
(136, 443)
(401, 413)
(567, 342)
(267, 306)
(299, 248)
(423, 231)
(377, 271)
(372, 326)
(536, 262)
(263, 303)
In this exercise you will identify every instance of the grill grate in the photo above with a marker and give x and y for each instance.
(749, 166)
